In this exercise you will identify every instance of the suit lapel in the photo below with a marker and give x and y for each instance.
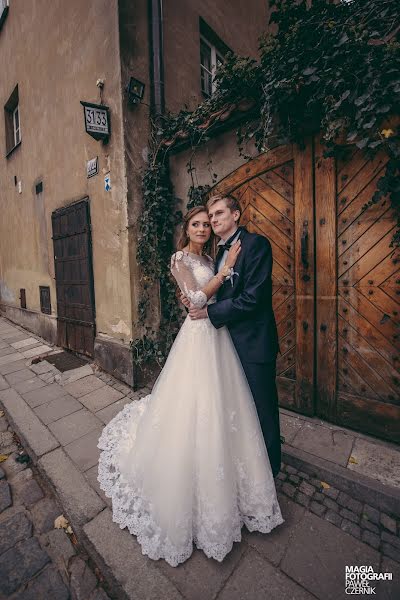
(242, 230)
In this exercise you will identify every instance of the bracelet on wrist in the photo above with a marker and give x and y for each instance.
(226, 271)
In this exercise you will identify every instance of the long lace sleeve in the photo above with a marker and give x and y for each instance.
(182, 270)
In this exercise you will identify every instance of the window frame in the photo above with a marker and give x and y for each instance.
(4, 12)
(12, 118)
(218, 51)
(215, 56)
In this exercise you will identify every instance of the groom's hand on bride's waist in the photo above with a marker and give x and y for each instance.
(198, 313)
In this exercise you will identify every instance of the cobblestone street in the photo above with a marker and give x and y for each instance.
(37, 560)
(376, 528)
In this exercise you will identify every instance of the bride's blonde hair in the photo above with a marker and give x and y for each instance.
(184, 238)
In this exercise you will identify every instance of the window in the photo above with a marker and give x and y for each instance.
(12, 119)
(39, 187)
(212, 52)
(3, 11)
(210, 60)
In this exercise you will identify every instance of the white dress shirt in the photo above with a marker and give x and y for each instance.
(225, 254)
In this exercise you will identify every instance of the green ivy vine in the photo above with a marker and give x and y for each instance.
(333, 68)
(157, 223)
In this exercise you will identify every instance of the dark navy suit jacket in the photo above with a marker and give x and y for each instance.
(246, 306)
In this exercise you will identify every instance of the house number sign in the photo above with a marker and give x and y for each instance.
(97, 120)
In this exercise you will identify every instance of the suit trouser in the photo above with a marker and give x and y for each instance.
(262, 382)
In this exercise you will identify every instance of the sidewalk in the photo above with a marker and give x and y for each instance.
(339, 492)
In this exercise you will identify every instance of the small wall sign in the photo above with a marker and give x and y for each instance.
(107, 182)
(92, 167)
(97, 120)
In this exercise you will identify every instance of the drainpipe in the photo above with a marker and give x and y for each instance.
(156, 57)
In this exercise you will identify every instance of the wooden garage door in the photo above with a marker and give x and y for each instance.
(74, 278)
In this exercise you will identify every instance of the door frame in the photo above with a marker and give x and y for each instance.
(62, 322)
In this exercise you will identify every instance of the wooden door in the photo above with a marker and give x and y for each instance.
(336, 279)
(74, 277)
(272, 205)
(359, 325)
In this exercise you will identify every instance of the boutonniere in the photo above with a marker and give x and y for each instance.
(228, 274)
(231, 276)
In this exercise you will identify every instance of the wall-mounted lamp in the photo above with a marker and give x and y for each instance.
(135, 90)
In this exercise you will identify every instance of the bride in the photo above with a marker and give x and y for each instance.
(187, 463)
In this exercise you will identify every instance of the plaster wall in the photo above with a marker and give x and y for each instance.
(135, 61)
(55, 52)
(224, 155)
(238, 24)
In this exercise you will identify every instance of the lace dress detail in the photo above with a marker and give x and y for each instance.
(192, 272)
(187, 464)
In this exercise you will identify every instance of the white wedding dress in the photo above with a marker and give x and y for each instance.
(188, 463)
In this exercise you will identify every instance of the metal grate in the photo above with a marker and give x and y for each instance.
(65, 361)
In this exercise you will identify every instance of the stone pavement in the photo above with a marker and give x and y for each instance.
(37, 560)
(359, 459)
(361, 520)
(59, 416)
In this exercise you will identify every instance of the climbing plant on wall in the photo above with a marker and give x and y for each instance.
(331, 67)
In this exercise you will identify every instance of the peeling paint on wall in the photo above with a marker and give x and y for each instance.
(121, 327)
(6, 295)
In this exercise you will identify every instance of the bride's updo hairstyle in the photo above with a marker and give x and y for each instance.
(183, 240)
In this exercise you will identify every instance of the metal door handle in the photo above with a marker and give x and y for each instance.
(304, 245)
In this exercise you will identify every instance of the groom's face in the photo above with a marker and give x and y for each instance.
(223, 220)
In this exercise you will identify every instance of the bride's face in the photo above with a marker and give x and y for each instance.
(199, 228)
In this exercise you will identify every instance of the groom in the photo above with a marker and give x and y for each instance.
(244, 305)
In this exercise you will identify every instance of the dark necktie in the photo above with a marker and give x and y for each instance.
(223, 247)
(221, 250)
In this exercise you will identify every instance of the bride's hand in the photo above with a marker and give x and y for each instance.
(185, 300)
(233, 253)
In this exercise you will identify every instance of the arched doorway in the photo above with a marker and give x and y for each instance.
(336, 279)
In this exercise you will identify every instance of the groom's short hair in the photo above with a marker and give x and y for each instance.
(231, 202)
